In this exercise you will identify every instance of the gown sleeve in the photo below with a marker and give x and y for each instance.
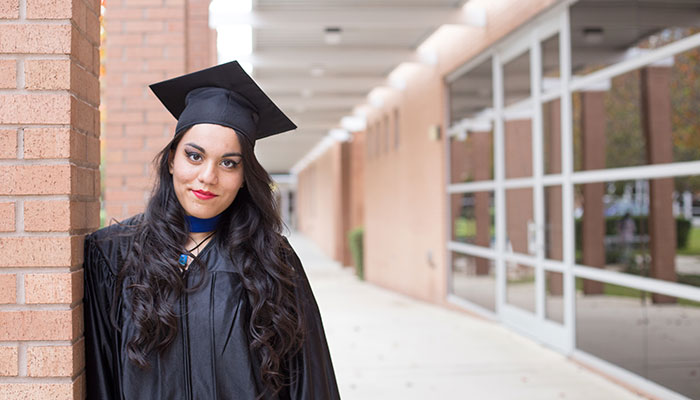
(311, 369)
(99, 353)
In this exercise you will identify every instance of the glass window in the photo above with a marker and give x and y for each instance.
(598, 39)
(642, 227)
(553, 233)
(645, 116)
(650, 334)
(473, 218)
(520, 288)
(516, 79)
(520, 232)
(554, 305)
(474, 279)
(471, 93)
(551, 136)
(471, 157)
(550, 64)
(518, 148)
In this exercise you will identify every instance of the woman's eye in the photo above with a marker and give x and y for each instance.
(229, 163)
(193, 156)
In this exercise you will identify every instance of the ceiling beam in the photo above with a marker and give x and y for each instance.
(319, 102)
(320, 85)
(345, 59)
(352, 17)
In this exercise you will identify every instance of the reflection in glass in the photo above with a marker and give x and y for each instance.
(554, 301)
(626, 327)
(553, 234)
(473, 218)
(471, 93)
(471, 157)
(474, 279)
(551, 136)
(520, 287)
(550, 64)
(599, 40)
(516, 79)
(518, 148)
(520, 232)
(643, 227)
(645, 116)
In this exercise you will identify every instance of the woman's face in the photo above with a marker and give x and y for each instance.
(207, 169)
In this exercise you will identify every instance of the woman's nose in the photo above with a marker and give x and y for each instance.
(208, 174)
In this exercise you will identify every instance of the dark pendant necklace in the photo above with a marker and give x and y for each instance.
(183, 257)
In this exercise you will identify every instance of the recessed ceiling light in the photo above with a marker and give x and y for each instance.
(317, 71)
(332, 35)
(593, 35)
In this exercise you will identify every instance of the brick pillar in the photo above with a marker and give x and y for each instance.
(593, 228)
(146, 41)
(656, 114)
(49, 183)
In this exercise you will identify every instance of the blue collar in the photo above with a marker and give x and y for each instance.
(202, 224)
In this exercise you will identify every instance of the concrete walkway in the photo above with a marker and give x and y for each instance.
(388, 346)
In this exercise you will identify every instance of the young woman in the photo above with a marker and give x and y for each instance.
(201, 297)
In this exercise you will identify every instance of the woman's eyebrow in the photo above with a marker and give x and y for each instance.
(204, 151)
(196, 147)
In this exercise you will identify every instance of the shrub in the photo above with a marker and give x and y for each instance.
(355, 237)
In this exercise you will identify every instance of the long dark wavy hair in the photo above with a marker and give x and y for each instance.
(251, 229)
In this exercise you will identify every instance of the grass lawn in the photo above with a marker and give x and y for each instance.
(693, 247)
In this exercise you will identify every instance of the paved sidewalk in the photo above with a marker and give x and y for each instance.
(389, 346)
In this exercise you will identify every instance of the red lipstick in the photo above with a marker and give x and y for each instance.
(203, 194)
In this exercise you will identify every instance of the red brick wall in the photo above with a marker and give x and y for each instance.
(146, 41)
(49, 189)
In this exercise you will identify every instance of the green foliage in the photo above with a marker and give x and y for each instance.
(355, 237)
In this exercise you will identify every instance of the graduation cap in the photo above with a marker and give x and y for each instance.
(225, 95)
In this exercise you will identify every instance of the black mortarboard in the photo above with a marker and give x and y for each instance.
(224, 95)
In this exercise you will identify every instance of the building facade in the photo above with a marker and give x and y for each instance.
(544, 173)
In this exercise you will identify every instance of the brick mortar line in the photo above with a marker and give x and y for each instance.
(37, 270)
(22, 359)
(37, 343)
(35, 234)
(83, 33)
(50, 162)
(18, 126)
(82, 67)
(33, 56)
(29, 380)
(19, 214)
(20, 74)
(21, 293)
(62, 21)
(37, 307)
(34, 197)
(22, 10)
(37, 161)
(37, 91)
(20, 143)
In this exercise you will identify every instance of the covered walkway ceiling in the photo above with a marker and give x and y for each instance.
(319, 59)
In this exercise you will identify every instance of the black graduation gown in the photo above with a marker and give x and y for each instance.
(210, 358)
